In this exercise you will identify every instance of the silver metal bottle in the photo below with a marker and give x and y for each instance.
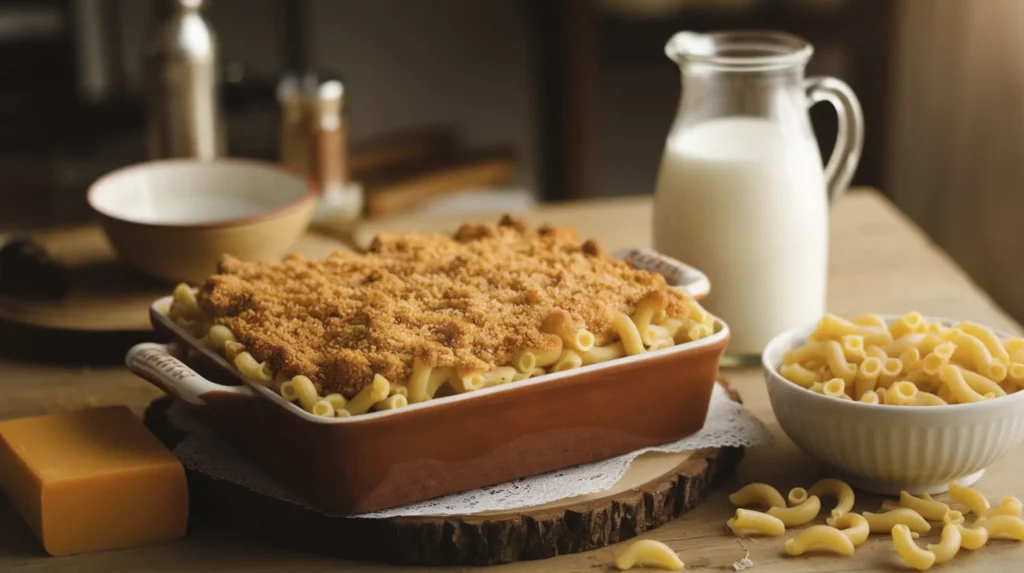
(182, 85)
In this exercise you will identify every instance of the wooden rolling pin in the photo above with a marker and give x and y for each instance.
(462, 175)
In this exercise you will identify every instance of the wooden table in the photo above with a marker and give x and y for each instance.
(880, 263)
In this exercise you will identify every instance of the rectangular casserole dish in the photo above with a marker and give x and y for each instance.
(391, 458)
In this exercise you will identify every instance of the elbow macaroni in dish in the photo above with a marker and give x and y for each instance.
(409, 321)
(911, 362)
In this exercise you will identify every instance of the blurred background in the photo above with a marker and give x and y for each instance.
(531, 100)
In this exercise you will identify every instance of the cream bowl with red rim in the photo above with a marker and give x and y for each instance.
(887, 449)
(173, 219)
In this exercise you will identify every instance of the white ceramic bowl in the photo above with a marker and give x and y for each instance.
(173, 219)
(885, 449)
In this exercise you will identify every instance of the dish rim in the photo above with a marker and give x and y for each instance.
(308, 197)
(720, 334)
(771, 360)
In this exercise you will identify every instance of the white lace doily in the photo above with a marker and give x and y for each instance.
(728, 424)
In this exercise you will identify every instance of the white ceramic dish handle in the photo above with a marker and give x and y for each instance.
(155, 363)
(678, 274)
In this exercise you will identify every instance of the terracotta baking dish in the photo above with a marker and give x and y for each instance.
(391, 458)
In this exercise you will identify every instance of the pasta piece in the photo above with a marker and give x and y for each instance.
(288, 391)
(928, 399)
(832, 325)
(698, 331)
(938, 358)
(799, 514)
(390, 403)
(869, 398)
(948, 545)
(674, 326)
(953, 377)
(342, 413)
(1003, 527)
(838, 489)
(981, 384)
(184, 303)
(305, 392)
(925, 506)
(253, 371)
(891, 370)
(946, 395)
(1009, 506)
(971, 351)
(969, 497)
(322, 408)
(890, 504)
(799, 375)
(418, 381)
(867, 376)
(500, 375)
(870, 320)
(911, 360)
(524, 375)
(628, 334)
(644, 314)
(1015, 347)
(397, 389)
(337, 401)
(834, 388)
(853, 347)
(909, 323)
(232, 349)
(972, 539)
(875, 351)
(648, 553)
(747, 521)
(1016, 374)
(901, 394)
(881, 393)
(757, 494)
(219, 334)
(989, 339)
(560, 324)
(911, 554)
(819, 537)
(467, 382)
(797, 495)
(817, 388)
(953, 517)
(569, 360)
(532, 358)
(853, 526)
(368, 396)
(883, 522)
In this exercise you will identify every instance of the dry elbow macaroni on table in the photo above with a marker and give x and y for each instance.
(911, 362)
(642, 329)
(904, 521)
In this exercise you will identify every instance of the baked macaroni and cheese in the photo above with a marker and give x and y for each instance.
(421, 316)
(911, 362)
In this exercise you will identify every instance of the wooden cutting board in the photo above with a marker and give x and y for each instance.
(105, 295)
(656, 489)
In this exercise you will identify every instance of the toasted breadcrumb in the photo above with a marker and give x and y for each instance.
(470, 302)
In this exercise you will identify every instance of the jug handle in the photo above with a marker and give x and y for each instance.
(849, 136)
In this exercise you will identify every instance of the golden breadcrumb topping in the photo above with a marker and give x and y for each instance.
(472, 302)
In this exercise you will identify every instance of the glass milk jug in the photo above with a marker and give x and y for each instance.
(741, 192)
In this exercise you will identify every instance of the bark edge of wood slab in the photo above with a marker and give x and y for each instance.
(453, 540)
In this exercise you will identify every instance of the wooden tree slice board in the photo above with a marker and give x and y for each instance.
(106, 295)
(656, 489)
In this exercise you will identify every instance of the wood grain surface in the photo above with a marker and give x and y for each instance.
(656, 489)
(879, 262)
(106, 295)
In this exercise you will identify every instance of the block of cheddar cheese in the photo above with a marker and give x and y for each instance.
(92, 479)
